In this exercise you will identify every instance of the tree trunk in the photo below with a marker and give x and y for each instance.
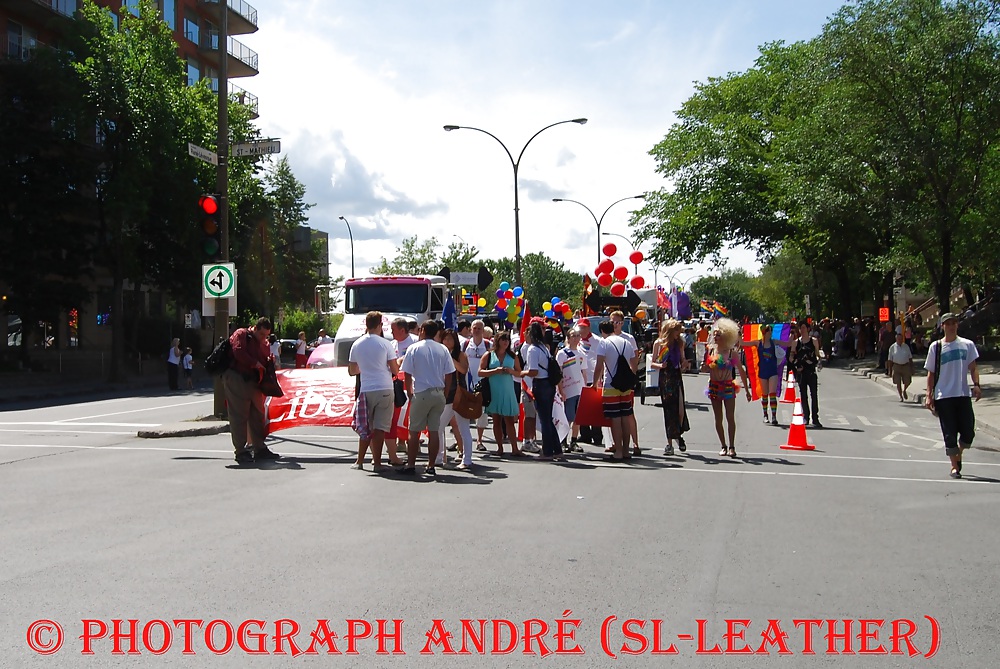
(942, 286)
(844, 292)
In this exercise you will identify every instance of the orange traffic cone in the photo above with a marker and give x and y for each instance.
(789, 397)
(797, 432)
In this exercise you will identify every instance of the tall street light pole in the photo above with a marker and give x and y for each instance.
(222, 187)
(600, 220)
(351, 235)
(515, 164)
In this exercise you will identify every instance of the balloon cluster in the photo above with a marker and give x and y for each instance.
(556, 308)
(609, 275)
(510, 302)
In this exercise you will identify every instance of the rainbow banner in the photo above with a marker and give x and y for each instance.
(719, 310)
(751, 332)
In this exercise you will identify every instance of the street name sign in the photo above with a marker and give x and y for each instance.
(256, 148)
(218, 280)
(203, 154)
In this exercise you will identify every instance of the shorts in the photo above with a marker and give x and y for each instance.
(380, 408)
(529, 407)
(958, 423)
(721, 390)
(426, 408)
(571, 404)
(902, 373)
(187, 373)
(617, 403)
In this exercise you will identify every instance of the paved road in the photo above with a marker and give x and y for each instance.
(100, 525)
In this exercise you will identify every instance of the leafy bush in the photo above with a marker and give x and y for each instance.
(310, 322)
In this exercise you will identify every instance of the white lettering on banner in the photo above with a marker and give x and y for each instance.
(319, 397)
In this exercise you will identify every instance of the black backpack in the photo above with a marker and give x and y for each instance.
(219, 359)
(555, 371)
(624, 379)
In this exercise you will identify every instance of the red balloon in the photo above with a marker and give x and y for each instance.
(565, 307)
(635, 257)
(618, 289)
(607, 266)
(621, 273)
(509, 294)
(638, 282)
(604, 280)
(610, 249)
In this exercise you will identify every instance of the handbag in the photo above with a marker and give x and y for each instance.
(269, 381)
(468, 405)
(398, 393)
(483, 390)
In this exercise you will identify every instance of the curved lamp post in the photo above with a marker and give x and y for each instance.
(600, 220)
(690, 279)
(515, 164)
(351, 234)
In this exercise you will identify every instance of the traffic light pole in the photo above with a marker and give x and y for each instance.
(222, 187)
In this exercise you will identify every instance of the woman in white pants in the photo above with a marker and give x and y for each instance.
(450, 340)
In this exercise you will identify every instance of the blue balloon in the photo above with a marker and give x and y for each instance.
(518, 292)
(555, 300)
(502, 313)
(550, 314)
(504, 286)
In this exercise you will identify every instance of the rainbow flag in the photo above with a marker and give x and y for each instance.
(751, 332)
(719, 310)
(705, 306)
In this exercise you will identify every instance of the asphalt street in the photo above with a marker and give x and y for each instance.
(98, 525)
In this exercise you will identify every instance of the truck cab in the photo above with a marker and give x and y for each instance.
(415, 298)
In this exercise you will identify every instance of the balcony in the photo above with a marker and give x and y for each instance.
(242, 61)
(240, 95)
(16, 47)
(242, 17)
(40, 11)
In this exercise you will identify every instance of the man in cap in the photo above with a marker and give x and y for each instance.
(950, 363)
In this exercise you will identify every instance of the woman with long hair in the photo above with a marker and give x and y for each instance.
(538, 360)
(450, 341)
(669, 358)
(498, 367)
(722, 361)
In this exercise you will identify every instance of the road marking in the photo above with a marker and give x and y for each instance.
(60, 423)
(130, 433)
(119, 413)
(935, 444)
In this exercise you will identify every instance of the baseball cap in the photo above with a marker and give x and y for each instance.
(584, 321)
(948, 317)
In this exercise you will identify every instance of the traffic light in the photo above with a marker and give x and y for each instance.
(209, 213)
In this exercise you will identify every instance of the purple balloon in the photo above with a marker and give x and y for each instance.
(499, 293)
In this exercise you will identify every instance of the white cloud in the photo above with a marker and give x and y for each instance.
(359, 92)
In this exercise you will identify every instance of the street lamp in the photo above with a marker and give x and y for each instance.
(600, 220)
(351, 234)
(671, 281)
(515, 164)
(690, 279)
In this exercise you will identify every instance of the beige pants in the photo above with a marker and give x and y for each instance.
(245, 404)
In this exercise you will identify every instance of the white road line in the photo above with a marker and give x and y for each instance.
(207, 400)
(131, 433)
(811, 454)
(57, 423)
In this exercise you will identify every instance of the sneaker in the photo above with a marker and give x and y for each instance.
(357, 466)
(766, 421)
(955, 474)
(774, 420)
(265, 454)
(681, 446)
(669, 450)
(244, 458)
(816, 423)
(723, 452)
(429, 471)
(531, 447)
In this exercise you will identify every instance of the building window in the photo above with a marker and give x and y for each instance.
(191, 28)
(169, 9)
(194, 74)
(132, 6)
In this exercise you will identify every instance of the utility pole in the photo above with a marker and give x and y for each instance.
(222, 187)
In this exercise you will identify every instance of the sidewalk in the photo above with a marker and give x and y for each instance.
(987, 409)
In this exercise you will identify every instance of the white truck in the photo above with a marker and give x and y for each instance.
(415, 298)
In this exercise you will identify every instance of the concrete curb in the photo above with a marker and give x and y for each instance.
(918, 398)
(188, 429)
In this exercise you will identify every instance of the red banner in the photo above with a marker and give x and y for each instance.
(321, 396)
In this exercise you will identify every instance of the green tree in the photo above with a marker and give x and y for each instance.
(461, 257)
(544, 279)
(731, 288)
(412, 257)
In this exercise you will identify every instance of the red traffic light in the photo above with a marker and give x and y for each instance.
(209, 204)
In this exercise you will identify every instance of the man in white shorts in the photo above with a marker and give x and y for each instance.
(429, 372)
(374, 358)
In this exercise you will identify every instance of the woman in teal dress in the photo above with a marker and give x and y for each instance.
(498, 367)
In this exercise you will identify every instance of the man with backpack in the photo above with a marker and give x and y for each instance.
(249, 356)
(950, 363)
(616, 361)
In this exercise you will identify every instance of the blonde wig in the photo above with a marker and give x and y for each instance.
(729, 333)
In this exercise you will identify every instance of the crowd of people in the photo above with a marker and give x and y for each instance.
(534, 379)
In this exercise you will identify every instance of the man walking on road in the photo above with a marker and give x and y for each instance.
(243, 395)
(374, 358)
(950, 362)
(899, 364)
(804, 358)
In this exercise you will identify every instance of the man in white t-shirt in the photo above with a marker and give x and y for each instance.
(618, 321)
(401, 336)
(323, 338)
(429, 373)
(573, 360)
(374, 358)
(475, 348)
(950, 362)
(899, 363)
(589, 434)
(617, 403)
